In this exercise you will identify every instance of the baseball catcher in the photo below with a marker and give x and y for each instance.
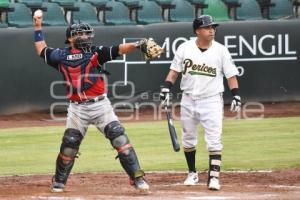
(80, 64)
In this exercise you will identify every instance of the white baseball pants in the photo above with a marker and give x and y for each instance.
(205, 111)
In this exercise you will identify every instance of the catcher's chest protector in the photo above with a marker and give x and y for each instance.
(80, 70)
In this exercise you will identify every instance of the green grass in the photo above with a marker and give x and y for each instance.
(248, 145)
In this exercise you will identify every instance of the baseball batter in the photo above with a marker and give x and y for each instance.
(80, 65)
(203, 63)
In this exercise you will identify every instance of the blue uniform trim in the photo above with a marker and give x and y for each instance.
(38, 36)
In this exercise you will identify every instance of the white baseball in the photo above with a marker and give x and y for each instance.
(38, 14)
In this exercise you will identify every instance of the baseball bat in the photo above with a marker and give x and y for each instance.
(172, 130)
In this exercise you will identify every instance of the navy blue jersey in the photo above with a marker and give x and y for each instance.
(81, 70)
(54, 57)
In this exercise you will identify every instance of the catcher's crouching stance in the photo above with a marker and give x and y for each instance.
(115, 132)
(80, 65)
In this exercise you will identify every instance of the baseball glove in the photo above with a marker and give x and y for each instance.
(150, 48)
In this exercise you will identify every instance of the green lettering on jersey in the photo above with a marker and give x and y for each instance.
(198, 69)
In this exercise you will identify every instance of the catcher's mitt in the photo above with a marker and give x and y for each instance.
(150, 48)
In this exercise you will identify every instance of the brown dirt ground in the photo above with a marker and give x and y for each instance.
(283, 184)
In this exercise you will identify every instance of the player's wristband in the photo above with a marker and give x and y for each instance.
(38, 36)
(235, 91)
(168, 84)
(137, 44)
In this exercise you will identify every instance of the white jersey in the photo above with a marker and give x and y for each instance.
(203, 72)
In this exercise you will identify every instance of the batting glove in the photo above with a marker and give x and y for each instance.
(236, 101)
(165, 91)
(164, 94)
(236, 104)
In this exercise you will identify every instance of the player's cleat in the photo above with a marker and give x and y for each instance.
(192, 179)
(140, 184)
(57, 187)
(214, 184)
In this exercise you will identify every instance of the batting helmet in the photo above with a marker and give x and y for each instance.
(77, 30)
(203, 21)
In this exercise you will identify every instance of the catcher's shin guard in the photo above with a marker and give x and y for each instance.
(214, 165)
(68, 151)
(130, 163)
(115, 132)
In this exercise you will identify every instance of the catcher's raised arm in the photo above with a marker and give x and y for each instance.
(40, 43)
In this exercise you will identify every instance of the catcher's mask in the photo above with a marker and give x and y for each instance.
(83, 34)
(204, 21)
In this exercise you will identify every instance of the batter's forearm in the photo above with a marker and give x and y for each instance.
(172, 76)
(232, 82)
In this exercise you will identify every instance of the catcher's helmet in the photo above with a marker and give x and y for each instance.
(203, 21)
(77, 30)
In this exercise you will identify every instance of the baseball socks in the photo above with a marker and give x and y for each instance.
(214, 172)
(192, 178)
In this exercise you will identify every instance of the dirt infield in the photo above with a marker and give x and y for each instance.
(284, 184)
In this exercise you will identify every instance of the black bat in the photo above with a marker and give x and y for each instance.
(172, 130)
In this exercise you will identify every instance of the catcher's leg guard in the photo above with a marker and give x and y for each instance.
(115, 132)
(214, 165)
(68, 151)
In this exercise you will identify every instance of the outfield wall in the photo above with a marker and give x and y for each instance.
(266, 53)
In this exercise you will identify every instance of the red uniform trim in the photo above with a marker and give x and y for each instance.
(75, 74)
(93, 63)
(123, 148)
(94, 91)
(67, 158)
(87, 73)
